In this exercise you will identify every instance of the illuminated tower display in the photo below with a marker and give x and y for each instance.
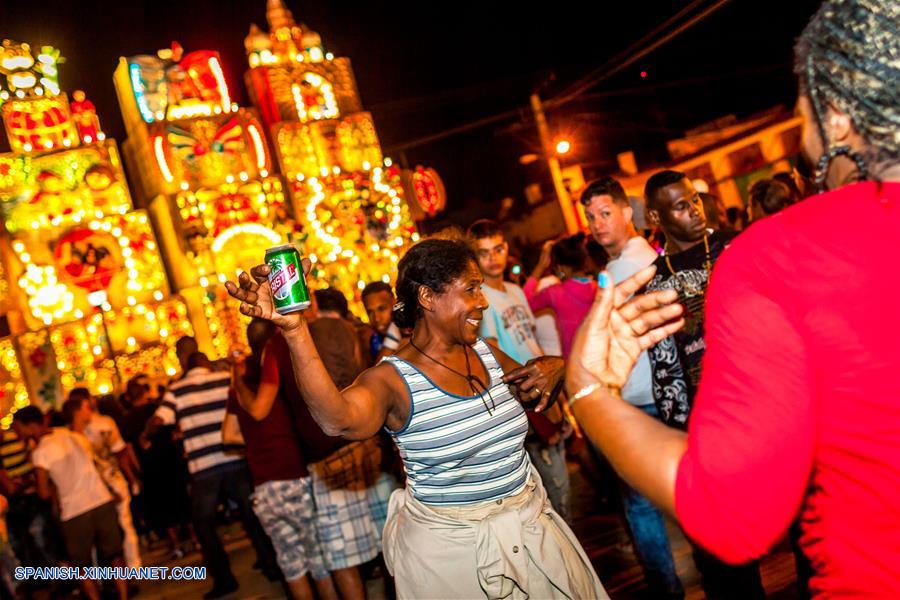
(85, 299)
(350, 200)
(205, 174)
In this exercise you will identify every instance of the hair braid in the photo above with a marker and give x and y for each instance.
(849, 56)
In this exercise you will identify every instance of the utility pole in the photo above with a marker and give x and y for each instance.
(562, 194)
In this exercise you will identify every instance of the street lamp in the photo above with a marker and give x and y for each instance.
(563, 146)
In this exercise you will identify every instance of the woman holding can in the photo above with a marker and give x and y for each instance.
(474, 520)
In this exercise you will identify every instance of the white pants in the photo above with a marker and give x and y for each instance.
(130, 544)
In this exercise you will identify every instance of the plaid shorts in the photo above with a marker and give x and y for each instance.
(286, 511)
(379, 497)
(351, 493)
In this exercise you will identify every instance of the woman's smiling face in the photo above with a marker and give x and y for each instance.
(458, 309)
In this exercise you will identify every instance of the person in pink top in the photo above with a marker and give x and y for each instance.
(798, 409)
(571, 299)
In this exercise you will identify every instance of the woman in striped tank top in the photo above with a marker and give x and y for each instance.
(474, 520)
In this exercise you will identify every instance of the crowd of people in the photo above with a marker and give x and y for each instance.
(737, 373)
(225, 436)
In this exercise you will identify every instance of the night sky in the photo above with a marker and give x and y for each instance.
(423, 67)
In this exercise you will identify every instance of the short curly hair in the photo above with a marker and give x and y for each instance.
(432, 263)
(771, 195)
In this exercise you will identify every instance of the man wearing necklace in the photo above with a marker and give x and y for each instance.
(691, 250)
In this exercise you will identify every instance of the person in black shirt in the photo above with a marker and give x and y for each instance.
(691, 251)
(163, 502)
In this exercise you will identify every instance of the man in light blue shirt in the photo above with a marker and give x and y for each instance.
(609, 216)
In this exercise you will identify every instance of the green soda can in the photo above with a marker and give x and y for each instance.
(286, 279)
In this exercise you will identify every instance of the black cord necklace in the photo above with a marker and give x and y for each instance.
(468, 376)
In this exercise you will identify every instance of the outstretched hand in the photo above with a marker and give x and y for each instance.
(618, 328)
(255, 296)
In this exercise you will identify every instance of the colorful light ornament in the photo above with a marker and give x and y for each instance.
(25, 76)
(314, 98)
(177, 87)
(428, 190)
(356, 226)
(209, 151)
(115, 255)
(84, 115)
(39, 125)
(61, 188)
(90, 278)
(13, 393)
(259, 148)
(88, 258)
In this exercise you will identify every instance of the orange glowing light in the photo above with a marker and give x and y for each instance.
(258, 146)
(161, 159)
(216, 69)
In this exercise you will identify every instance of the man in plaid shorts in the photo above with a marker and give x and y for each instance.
(258, 417)
(349, 489)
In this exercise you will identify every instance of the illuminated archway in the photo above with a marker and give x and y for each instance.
(243, 246)
(314, 98)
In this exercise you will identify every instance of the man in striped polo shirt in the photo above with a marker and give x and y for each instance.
(197, 404)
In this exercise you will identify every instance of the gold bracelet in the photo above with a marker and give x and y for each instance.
(590, 389)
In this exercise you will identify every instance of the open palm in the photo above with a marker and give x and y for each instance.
(618, 328)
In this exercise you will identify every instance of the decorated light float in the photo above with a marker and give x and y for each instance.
(350, 200)
(88, 303)
(205, 176)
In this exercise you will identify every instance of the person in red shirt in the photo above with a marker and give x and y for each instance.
(259, 418)
(797, 409)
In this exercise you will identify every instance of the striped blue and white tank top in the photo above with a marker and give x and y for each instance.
(453, 450)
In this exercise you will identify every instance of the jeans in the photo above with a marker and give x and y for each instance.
(33, 533)
(550, 462)
(232, 480)
(651, 540)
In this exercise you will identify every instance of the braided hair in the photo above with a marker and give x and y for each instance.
(849, 56)
(434, 263)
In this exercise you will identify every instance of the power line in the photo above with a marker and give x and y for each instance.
(645, 89)
(632, 47)
(587, 82)
(610, 68)
(460, 129)
(785, 67)
(448, 96)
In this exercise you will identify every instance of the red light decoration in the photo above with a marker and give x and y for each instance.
(39, 125)
(429, 190)
(87, 258)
